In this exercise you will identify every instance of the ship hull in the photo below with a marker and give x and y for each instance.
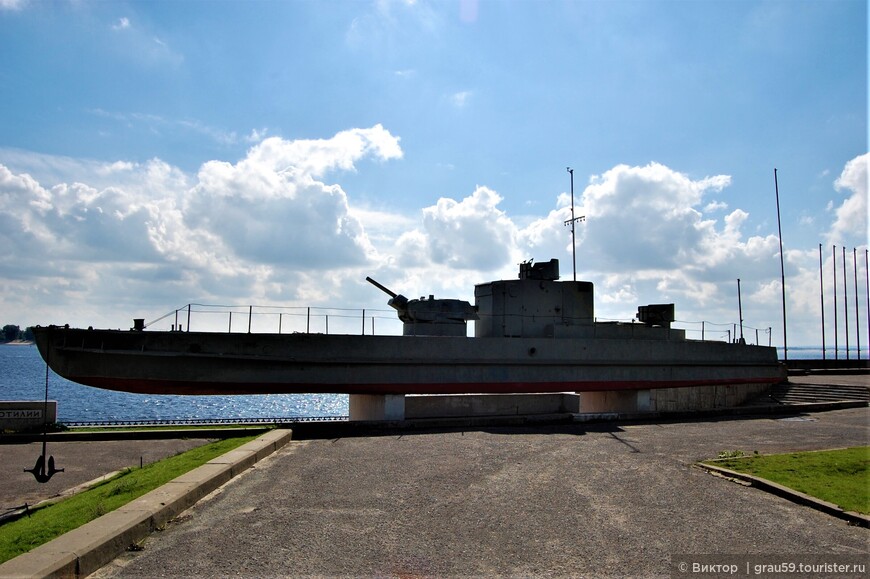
(202, 363)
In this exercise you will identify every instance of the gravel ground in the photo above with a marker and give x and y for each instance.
(580, 500)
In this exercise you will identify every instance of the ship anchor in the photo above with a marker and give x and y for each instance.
(39, 471)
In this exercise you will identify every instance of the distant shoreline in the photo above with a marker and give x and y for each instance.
(17, 343)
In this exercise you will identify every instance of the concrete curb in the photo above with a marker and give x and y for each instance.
(91, 546)
(790, 494)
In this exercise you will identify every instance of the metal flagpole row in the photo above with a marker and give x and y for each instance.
(836, 297)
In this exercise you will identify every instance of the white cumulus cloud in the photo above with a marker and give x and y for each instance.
(850, 225)
(242, 230)
(94, 243)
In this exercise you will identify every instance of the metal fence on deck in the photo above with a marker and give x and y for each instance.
(278, 319)
(321, 320)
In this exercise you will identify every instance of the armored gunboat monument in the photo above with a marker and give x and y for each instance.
(532, 335)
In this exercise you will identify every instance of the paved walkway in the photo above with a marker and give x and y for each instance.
(580, 500)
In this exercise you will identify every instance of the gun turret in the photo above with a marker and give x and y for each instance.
(422, 317)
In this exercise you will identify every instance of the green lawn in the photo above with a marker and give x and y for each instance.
(837, 476)
(52, 520)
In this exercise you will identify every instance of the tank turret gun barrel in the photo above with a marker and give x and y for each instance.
(390, 293)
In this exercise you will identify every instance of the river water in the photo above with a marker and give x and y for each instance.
(22, 377)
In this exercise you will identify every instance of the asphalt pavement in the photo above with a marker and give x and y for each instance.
(613, 499)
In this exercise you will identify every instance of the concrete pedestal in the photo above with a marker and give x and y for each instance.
(670, 399)
(377, 407)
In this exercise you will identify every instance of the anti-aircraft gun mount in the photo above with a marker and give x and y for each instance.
(430, 317)
(656, 315)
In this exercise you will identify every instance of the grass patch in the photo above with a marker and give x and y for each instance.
(837, 476)
(52, 520)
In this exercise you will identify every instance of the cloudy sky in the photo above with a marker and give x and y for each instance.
(154, 154)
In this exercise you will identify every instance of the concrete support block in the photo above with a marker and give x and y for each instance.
(612, 401)
(670, 399)
(377, 407)
(704, 397)
(643, 401)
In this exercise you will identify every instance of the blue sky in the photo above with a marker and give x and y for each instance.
(157, 153)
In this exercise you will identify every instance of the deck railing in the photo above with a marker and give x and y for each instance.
(278, 319)
(367, 321)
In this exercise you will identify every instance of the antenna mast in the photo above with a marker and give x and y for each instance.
(572, 221)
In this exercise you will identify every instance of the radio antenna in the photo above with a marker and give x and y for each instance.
(572, 221)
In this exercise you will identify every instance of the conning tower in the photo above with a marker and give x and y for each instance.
(535, 305)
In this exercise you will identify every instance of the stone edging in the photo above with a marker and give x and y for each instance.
(790, 494)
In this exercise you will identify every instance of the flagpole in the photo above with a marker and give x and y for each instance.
(822, 294)
(782, 270)
(857, 319)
